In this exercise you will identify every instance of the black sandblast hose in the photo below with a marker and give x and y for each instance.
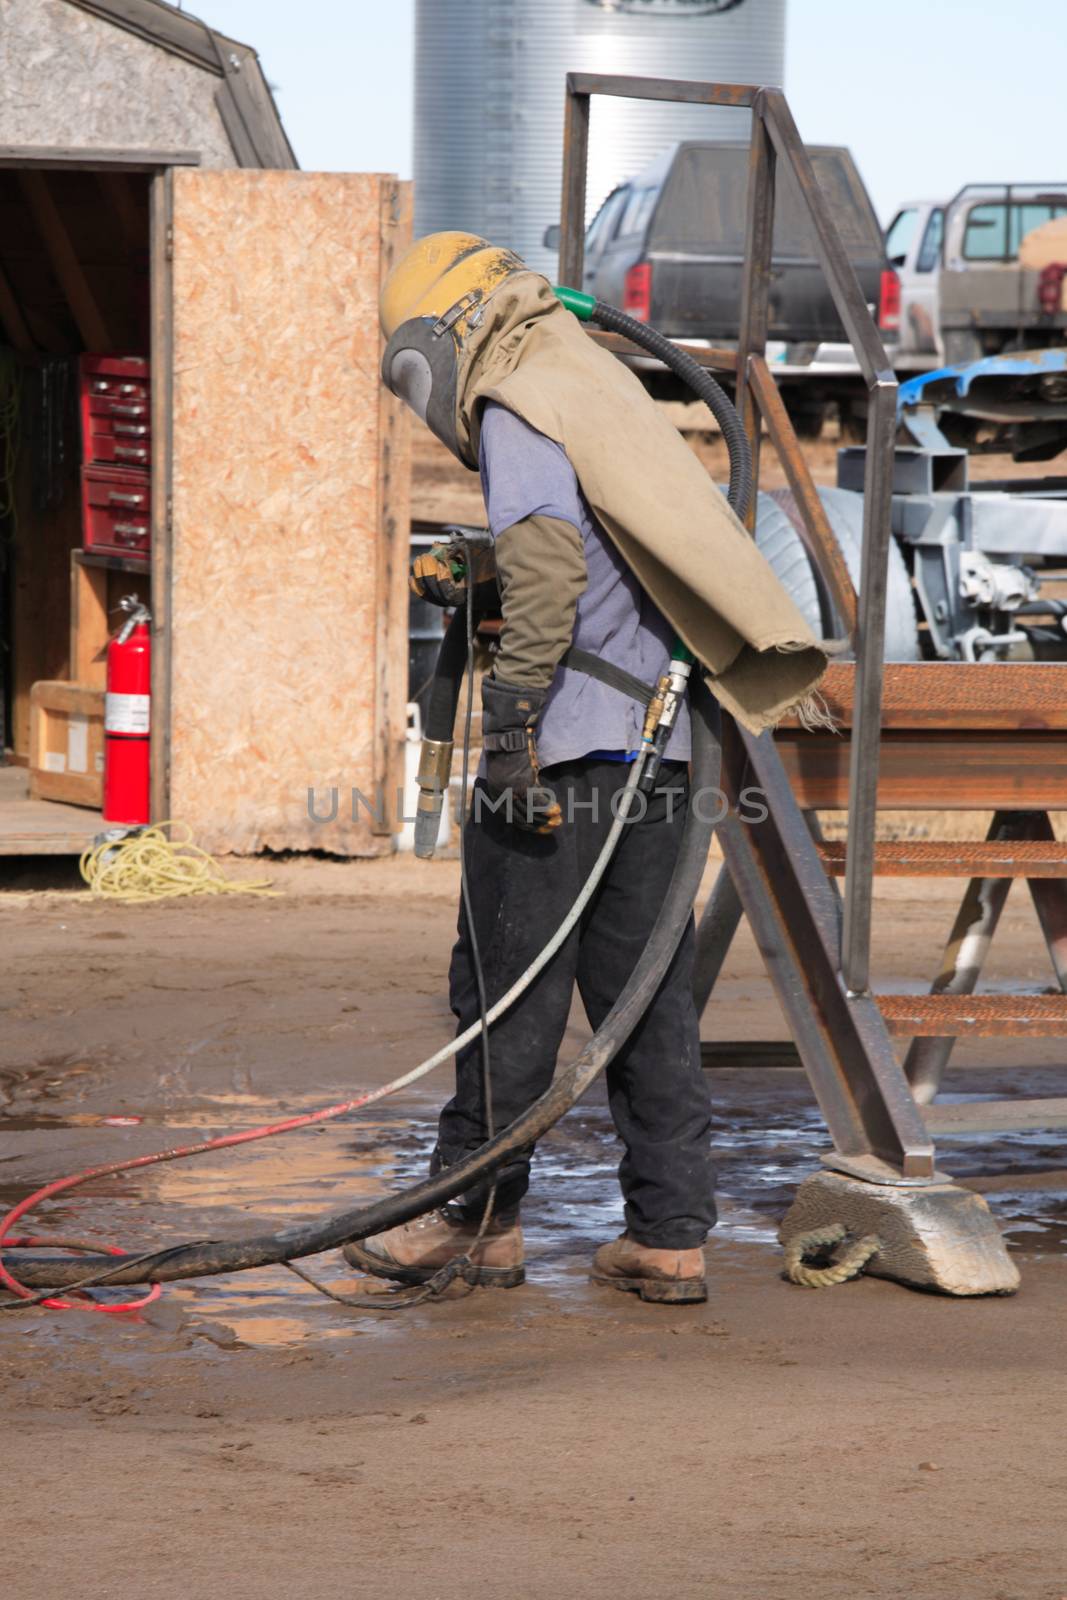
(208, 1257)
(447, 679)
(703, 385)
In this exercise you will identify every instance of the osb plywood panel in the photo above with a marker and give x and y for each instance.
(290, 514)
(69, 78)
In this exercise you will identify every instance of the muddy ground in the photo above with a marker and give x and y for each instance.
(246, 1436)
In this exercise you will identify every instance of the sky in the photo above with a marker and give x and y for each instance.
(928, 94)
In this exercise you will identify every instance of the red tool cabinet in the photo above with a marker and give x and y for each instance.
(116, 425)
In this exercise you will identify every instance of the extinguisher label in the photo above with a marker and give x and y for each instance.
(127, 713)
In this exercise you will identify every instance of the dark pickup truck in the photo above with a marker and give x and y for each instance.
(668, 246)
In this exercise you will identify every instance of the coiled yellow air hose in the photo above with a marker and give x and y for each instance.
(159, 863)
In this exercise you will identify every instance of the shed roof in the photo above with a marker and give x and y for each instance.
(244, 100)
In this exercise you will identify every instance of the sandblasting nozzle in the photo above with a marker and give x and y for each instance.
(435, 769)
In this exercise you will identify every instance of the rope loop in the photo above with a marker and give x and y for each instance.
(843, 1264)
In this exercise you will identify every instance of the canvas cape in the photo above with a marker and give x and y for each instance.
(671, 524)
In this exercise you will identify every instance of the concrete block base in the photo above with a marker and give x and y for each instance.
(936, 1237)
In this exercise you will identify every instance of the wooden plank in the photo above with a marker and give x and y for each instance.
(1028, 696)
(161, 280)
(952, 771)
(40, 827)
(64, 261)
(11, 318)
(248, 113)
(276, 536)
(394, 522)
(88, 622)
(68, 788)
(64, 697)
(233, 121)
(45, 157)
(67, 743)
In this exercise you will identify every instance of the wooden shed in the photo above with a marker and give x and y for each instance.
(191, 412)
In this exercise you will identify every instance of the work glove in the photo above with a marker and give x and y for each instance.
(440, 576)
(509, 721)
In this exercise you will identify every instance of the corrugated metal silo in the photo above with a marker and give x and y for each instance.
(489, 90)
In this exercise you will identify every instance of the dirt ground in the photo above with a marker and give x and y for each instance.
(248, 1436)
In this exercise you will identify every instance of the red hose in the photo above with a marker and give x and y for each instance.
(178, 1153)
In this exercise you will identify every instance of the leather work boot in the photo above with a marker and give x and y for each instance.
(416, 1250)
(669, 1275)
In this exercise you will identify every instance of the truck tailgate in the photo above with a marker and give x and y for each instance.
(699, 297)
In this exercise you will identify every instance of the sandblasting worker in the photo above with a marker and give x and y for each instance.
(604, 527)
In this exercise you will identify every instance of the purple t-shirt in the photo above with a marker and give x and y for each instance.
(526, 475)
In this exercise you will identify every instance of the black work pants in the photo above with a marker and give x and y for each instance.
(521, 887)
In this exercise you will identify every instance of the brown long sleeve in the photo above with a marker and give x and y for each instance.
(541, 567)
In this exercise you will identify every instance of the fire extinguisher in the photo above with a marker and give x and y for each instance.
(127, 717)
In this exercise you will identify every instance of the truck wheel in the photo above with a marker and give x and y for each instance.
(962, 348)
(786, 554)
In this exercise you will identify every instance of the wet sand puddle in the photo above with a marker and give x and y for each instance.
(768, 1136)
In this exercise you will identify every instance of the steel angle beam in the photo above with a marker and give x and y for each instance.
(795, 918)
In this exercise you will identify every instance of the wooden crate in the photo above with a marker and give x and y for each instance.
(67, 743)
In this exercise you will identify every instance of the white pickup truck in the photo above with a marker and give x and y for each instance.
(963, 291)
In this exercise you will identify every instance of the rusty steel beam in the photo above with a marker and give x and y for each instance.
(812, 523)
(940, 858)
(778, 127)
(686, 91)
(968, 944)
(870, 667)
(967, 771)
(703, 355)
(939, 1016)
(795, 917)
(755, 289)
(1050, 903)
(572, 199)
(833, 258)
(1021, 696)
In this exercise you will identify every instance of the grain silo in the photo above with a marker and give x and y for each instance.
(489, 92)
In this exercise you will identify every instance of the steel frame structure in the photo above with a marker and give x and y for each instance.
(775, 138)
(816, 946)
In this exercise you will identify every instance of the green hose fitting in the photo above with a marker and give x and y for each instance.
(583, 305)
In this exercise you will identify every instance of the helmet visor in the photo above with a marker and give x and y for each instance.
(419, 366)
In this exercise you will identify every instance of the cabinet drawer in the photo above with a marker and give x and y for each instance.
(116, 512)
(129, 407)
(116, 410)
(117, 449)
